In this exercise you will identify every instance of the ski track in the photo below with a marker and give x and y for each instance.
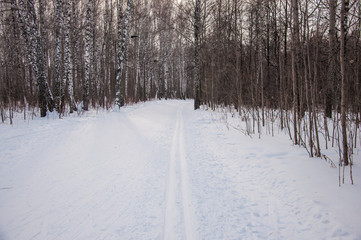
(178, 167)
(161, 170)
(171, 204)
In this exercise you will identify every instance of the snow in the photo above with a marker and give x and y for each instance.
(160, 170)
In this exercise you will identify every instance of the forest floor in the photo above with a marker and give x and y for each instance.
(160, 170)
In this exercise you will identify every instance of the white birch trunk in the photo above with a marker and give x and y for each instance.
(122, 45)
(87, 60)
(58, 36)
(68, 64)
(27, 19)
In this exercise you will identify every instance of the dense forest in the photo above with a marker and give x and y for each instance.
(294, 61)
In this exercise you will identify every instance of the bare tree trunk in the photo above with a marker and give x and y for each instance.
(119, 98)
(76, 57)
(238, 49)
(122, 50)
(295, 39)
(68, 64)
(137, 65)
(344, 9)
(31, 34)
(58, 36)
(262, 84)
(332, 59)
(197, 92)
(307, 75)
(94, 73)
(282, 68)
(88, 52)
(313, 93)
(43, 39)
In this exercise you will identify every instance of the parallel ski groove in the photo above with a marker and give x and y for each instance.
(172, 211)
(170, 214)
(188, 210)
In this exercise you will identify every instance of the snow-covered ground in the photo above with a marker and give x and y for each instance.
(160, 170)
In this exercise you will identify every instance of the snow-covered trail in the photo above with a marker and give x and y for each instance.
(160, 170)
(179, 189)
(99, 177)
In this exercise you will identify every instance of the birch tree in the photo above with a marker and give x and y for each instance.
(58, 83)
(68, 64)
(122, 48)
(27, 18)
(344, 10)
(88, 52)
(43, 34)
(332, 60)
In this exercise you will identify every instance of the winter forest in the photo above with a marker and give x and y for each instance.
(299, 57)
(262, 67)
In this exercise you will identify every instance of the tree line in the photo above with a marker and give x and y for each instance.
(65, 55)
(297, 61)
(299, 57)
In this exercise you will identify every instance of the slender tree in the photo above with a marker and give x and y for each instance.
(197, 91)
(344, 10)
(123, 29)
(295, 39)
(58, 89)
(68, 63)
(88, 52)
(332, 64)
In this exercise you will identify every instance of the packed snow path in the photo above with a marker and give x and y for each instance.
(160, 170)
(178, 160)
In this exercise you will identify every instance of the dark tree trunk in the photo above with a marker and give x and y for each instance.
(332, 60)
(197, 91)
(344, 9)
(295, 39)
